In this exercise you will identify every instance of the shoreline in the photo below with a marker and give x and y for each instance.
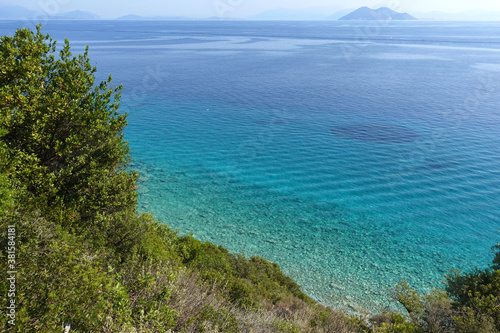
(203, 215)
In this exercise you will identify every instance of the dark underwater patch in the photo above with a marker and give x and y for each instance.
(380, 133)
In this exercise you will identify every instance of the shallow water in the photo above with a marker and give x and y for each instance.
(354, 156)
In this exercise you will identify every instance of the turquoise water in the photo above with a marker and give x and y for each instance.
(354, 156)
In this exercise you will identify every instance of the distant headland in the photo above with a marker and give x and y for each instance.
(383, 13)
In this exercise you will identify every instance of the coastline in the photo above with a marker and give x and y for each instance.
(337, 276)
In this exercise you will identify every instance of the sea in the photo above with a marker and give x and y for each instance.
(353, 154)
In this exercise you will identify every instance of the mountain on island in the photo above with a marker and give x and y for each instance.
(383, 13)
(15, 12)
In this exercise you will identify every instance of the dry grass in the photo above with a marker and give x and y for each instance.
(205, 307)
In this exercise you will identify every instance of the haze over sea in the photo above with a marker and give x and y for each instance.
(354, 155)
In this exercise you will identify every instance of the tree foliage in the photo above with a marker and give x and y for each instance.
(63, 132)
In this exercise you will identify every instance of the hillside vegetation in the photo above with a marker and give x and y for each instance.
(74, 249)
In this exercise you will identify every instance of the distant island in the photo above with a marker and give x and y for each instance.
(15, 12)
(383, 13)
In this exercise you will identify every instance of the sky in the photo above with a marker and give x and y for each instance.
(241, 8)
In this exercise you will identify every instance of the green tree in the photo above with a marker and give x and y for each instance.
(64, 134)
(65, 186)
(470, 303)
(476, 297)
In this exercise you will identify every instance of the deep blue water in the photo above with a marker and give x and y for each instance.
(353, 155)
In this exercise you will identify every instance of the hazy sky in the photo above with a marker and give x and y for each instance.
(241, 8)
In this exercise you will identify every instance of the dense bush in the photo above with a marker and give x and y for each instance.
(470, 303)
